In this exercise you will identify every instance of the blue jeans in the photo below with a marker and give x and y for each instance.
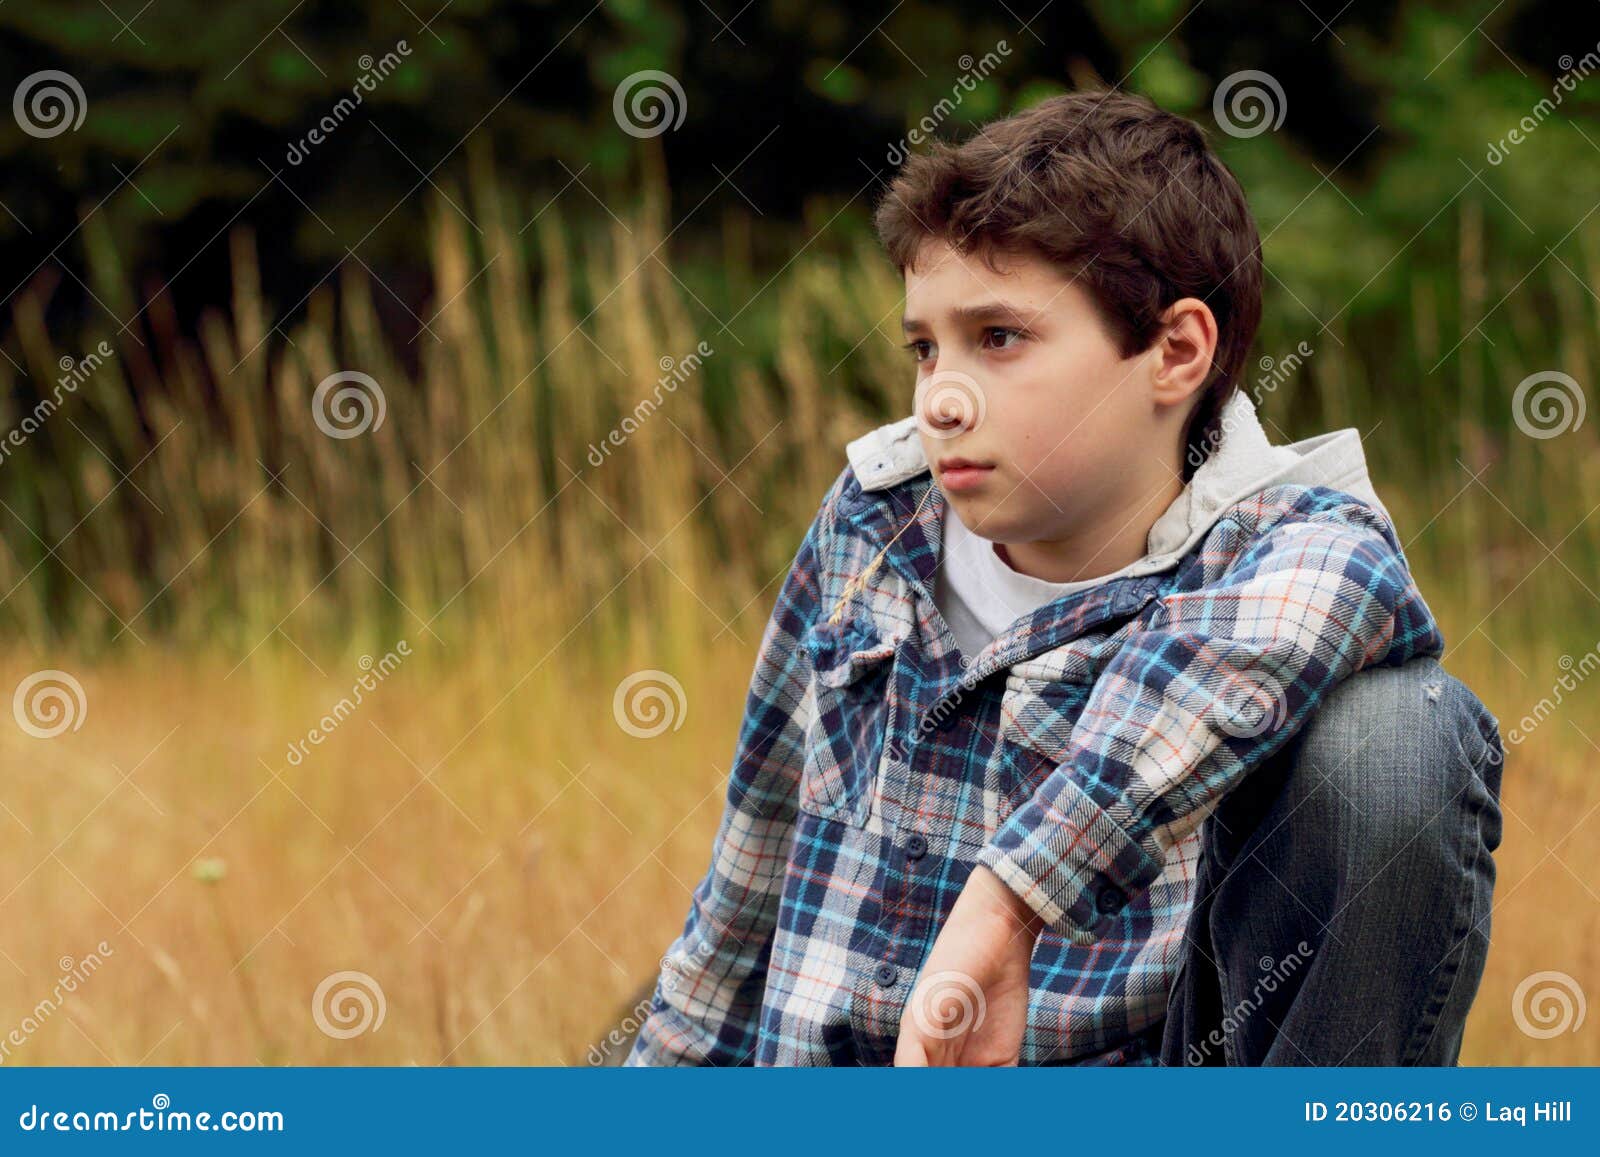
(1342, 902)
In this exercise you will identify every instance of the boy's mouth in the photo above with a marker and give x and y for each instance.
(958, 475)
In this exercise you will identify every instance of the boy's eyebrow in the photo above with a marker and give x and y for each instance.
(992, 311)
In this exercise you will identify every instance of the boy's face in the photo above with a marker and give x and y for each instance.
(1015, 372)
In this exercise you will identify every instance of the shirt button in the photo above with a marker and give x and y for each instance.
(887, 975)
(916, 848)
(1110, 900)
(947, 720)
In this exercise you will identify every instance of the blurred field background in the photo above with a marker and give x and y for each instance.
(481, 839)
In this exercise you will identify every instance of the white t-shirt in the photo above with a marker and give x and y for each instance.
(979, 595)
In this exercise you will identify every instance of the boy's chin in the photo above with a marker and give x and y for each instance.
(981, 516)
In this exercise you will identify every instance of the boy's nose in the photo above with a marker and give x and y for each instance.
(948, 403)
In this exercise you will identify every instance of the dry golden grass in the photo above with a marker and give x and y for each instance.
(1546, 915)
(492, 850)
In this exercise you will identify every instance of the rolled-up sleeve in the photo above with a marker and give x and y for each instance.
(1223, 676)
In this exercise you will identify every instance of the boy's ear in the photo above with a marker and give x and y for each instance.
(1184, 350)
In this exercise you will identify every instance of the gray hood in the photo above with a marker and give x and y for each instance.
(1244, 463)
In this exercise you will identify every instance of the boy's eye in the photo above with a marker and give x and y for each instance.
(994, 337)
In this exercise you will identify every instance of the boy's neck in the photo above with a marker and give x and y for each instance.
(1118, 536)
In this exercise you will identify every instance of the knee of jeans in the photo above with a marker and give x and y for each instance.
(1396, 761)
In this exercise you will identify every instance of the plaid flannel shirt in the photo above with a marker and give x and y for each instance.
(1076, 756)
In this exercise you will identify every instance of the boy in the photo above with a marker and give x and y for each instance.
(1039, 631)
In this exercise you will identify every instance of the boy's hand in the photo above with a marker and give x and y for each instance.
(970, 1003)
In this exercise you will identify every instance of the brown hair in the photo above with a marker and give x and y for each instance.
(1110, 188)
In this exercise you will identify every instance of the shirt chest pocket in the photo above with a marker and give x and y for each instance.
(852, 683)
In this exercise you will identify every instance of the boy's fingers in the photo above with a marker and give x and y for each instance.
(909, 1052)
